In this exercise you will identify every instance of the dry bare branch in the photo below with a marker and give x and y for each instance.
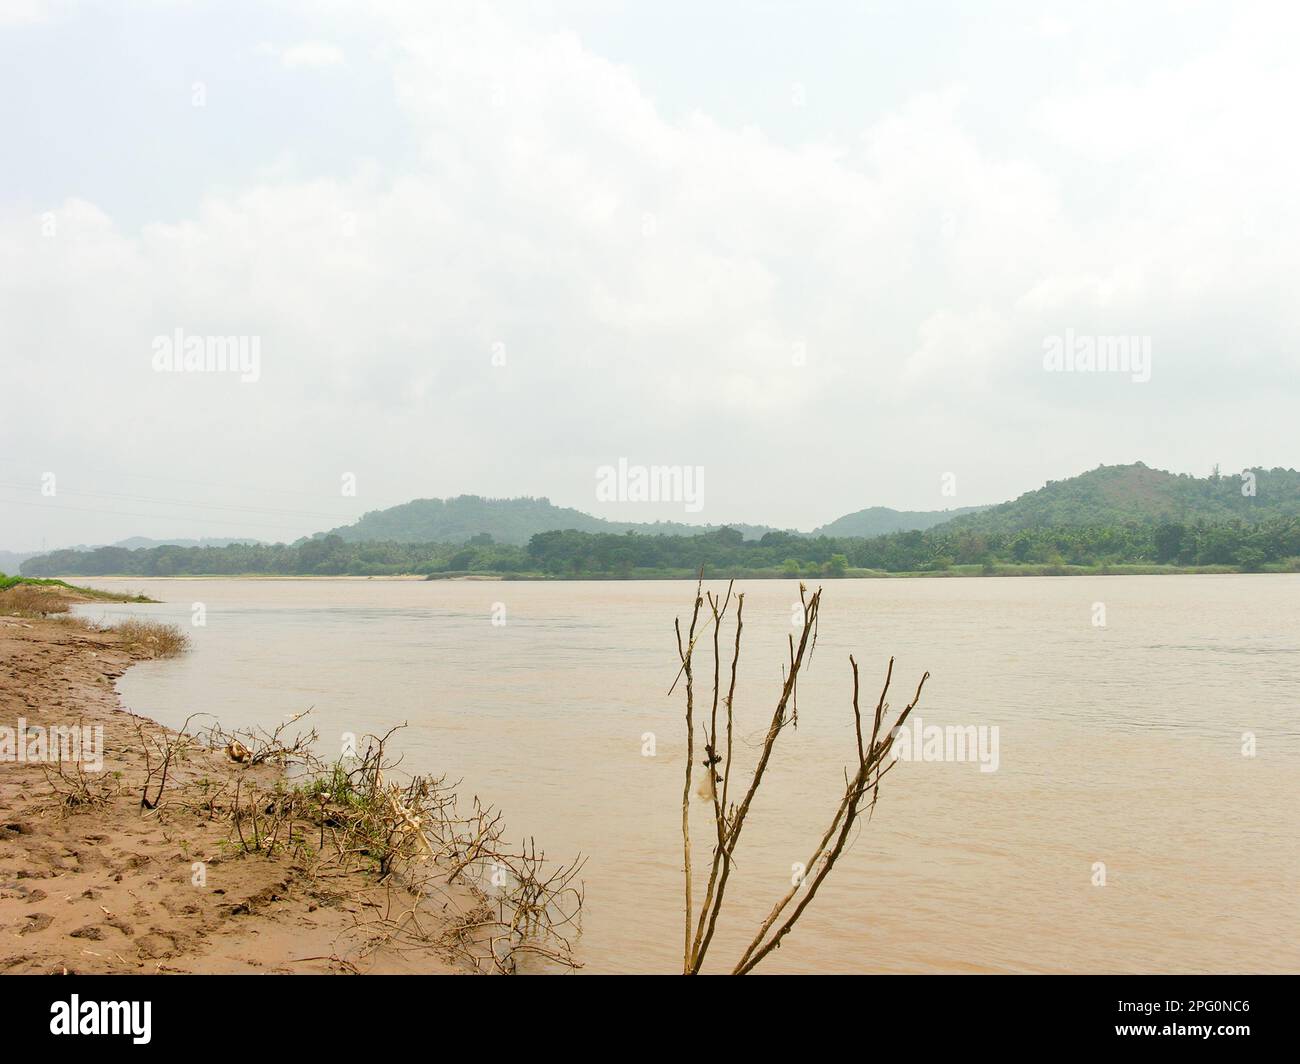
(872, 763)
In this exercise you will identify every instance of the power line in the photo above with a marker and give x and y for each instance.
(206, 483)
(187, 502)
(27, 476)
(129, 513)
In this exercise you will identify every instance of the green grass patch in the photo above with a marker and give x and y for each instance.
(6, 582)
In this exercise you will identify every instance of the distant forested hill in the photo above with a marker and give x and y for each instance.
(1118, 495)
(1112, 515)
(515, 521)
(512, 521)
(12, 561)
(881, 520)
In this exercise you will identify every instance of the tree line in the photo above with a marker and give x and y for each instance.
(1249, 546)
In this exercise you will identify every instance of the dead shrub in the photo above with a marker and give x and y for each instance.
(28, 600)
(153, 638)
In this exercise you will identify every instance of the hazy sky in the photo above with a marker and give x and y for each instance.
(815, 249)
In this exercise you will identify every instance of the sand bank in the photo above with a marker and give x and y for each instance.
(110, 887)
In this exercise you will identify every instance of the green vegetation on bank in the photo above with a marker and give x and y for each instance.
(7, 582)
(1269, 545)
(1126, 518)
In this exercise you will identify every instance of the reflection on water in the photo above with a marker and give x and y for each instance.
(1120, 745)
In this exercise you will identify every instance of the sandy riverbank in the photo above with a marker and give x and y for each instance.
(111, 887)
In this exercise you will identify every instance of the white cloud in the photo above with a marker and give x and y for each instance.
(312, 54)
(20, 12)
(651, 278)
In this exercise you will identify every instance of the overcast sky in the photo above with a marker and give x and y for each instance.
(815, 249)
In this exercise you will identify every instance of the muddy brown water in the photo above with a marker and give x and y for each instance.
(1119, 746)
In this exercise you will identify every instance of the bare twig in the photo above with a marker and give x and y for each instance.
(729, 821)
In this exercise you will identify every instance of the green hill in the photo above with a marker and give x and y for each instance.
(1117, 516)
(1118, 495)
(881, 520)
(513, 521)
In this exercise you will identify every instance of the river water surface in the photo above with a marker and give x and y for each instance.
(1118, 745)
